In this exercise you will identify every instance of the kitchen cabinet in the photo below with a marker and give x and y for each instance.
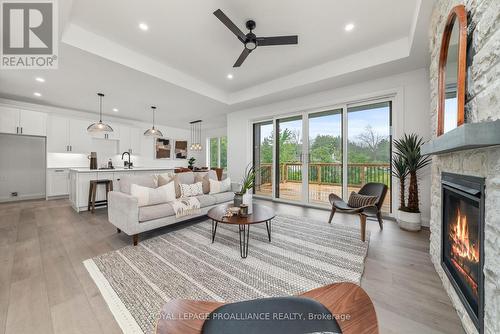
(25, 122)
(57, 182)
(68, 135)
(130, 140)
(79, 139)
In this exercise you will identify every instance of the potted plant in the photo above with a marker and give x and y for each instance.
(408, 160)
(244, 196)
(191, 163)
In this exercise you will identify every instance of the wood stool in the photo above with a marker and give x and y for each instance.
(92, 193)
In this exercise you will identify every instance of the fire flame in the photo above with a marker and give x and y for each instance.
(462, 246)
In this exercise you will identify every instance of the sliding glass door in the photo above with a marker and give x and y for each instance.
(263, 145)
(324, 155)
(318, 153)
(369, 147)
(289, 155)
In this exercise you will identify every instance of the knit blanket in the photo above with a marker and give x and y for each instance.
(186, 206)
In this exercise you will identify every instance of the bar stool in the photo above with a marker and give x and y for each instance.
(92, 193)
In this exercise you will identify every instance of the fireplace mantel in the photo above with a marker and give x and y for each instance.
(465, 137)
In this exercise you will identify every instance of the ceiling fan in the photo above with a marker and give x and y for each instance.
(251, 41)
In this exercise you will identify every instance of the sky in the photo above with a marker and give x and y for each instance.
(378, 118)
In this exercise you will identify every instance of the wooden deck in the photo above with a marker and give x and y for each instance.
(318, 193)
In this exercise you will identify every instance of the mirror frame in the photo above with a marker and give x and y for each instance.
(458, 15)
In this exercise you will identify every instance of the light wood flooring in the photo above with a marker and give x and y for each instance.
(44, 287)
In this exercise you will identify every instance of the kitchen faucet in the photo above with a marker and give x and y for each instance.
(128, 164)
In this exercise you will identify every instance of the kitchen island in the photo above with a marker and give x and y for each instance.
(79, 181)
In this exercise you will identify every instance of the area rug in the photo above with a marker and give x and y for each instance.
(304, 254)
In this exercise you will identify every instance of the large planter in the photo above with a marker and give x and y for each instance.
(409, 221)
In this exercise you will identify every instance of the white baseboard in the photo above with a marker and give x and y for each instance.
(22, 198)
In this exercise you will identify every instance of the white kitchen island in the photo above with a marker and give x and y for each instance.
(80, 181)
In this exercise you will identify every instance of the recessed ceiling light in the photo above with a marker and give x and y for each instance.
(37, 94)
(115, 109)
(229, 76)
(40, 79)
(143, 26)
(349, 27)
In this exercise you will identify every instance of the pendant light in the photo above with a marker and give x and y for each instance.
(196, 135)
(99, 127)
(153, 132)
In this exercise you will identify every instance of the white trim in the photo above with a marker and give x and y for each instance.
(122, 315)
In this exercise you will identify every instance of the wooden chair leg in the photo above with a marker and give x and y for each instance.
(90, 197)
(380, 221)
(362, 219)
(94, 191)
(135, 239)
(331, 215)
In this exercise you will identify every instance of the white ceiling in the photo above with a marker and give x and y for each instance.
(181, 62)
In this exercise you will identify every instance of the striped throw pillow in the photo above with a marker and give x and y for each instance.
(357, 201)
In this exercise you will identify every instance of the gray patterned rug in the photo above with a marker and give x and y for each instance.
(304, 254)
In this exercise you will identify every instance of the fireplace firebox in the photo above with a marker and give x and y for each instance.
(462, 255)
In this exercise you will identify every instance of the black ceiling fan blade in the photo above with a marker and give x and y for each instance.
(228, 23)
(242, 57)
(278, 40)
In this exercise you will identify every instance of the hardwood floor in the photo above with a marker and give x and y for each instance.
(44, 287)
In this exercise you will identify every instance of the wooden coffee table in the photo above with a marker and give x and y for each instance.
(260, 214)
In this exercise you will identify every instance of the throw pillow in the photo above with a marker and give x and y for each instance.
(220, 186)
(204, 178)
(151, 196)
(357, 201)
(165, 178)
(189, 190)
(182, 178)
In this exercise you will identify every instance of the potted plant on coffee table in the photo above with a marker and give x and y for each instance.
(244, 195)
(408, 160)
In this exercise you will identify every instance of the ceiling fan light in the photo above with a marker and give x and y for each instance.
(250, 45)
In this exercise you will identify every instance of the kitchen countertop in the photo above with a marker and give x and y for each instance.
(119, 169)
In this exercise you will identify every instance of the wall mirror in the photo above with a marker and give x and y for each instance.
(163, 148)
(452, 71)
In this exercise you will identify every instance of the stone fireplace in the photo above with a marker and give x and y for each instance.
(469, 152)
(462, 240)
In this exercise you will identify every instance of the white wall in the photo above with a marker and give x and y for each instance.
(22, 167)
(410, 114)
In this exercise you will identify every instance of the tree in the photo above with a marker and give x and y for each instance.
(371, 140)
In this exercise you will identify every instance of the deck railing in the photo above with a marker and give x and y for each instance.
(329, 173)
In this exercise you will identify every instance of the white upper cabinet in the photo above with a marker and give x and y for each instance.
(68, 135)
(24, 122)
(130, 139)
(80, 140)
(33, 123)
(136, 135)
(9, 120)
(57, 134)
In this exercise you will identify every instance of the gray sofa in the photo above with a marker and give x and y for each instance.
(127, 216)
